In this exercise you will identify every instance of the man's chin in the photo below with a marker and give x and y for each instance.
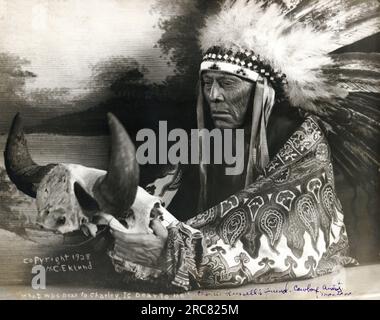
(223, 124)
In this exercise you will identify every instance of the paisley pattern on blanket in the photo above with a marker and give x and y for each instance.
(287, 225)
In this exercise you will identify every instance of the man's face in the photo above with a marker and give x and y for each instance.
(228, 97)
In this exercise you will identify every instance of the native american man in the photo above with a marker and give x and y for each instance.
(275, 74)
(281, 218)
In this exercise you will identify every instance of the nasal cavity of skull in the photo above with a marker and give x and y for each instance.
(61, 220)
(83, 220)
(88, 204)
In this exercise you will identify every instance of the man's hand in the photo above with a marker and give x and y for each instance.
(144, 249)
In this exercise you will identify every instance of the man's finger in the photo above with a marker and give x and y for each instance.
(130, 255)
(120, 251)
(126, 253)
(129, 237)
(158, 229)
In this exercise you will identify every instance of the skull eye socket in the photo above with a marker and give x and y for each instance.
(61, 220)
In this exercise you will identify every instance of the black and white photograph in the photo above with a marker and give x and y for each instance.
(189, 150)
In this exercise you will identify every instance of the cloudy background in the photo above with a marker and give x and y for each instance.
(63, 38)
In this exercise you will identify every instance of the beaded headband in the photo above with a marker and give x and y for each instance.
(245, 64)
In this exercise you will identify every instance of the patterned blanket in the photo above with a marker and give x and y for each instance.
(287, 225)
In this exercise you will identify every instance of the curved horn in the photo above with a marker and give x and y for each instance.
(116, 191)
(21, 168)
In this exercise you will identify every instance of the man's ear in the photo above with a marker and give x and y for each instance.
(86, 201)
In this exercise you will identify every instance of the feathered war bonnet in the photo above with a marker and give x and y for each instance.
(287, 57)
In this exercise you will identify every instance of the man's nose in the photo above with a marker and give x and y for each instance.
(216, 92)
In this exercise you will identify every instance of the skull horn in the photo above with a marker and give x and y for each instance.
(21, 168)
(116, 191)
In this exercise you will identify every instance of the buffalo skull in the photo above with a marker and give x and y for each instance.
(69, 196)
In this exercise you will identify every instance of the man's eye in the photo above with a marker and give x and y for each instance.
(227, 83)
(207, 84)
